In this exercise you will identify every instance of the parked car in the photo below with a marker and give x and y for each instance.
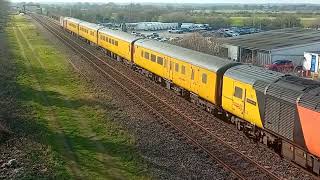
(281, 66)
(155, 34)
(177, 31)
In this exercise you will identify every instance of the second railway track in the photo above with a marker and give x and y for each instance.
(188, 127)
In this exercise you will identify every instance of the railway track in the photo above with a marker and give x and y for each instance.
(186, 126)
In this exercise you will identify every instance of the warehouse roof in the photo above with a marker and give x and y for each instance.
(276, 39)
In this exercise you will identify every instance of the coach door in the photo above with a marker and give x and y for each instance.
(171, 66)
(238, 103)
(194, 79)
(166, 65)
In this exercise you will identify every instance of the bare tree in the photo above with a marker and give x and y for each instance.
(208, 45)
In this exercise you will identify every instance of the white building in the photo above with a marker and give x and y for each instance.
(152, 26)
(312, 62)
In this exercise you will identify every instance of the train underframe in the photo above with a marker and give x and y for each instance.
(285, 148)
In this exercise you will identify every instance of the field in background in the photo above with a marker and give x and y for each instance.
(81, 138)
(239, 21)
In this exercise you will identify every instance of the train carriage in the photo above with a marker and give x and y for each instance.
(118, 43)
(72, 25)
(89, 31)
(239, 94)
(195, 72)
(287, 108)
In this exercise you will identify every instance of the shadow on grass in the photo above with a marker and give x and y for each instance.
(56, 99)
(122, 152)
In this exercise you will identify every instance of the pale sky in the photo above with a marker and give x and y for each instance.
(183, 1)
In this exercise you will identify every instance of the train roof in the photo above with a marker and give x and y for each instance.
(196, 58)
(251, 74)
(311, 100)
(119, 34)
(74, 20)
(91, 25)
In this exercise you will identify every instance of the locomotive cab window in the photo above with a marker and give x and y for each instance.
(146, 55)
(204, 78)
(238, 92)
(153, 58)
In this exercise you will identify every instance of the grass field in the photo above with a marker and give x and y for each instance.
(82, 140)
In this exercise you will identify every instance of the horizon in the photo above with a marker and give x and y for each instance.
(250, 2)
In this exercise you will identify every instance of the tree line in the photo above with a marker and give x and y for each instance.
(116, 13)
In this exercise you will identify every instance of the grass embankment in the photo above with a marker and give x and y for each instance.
(81, 137)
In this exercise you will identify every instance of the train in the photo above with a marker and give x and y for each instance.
(279, 110)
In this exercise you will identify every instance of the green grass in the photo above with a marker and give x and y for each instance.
(83, 139)
(237, 21)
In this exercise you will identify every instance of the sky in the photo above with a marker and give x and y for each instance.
(183, 1)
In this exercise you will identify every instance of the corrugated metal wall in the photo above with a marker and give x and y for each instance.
(263, 58)
(295, 53)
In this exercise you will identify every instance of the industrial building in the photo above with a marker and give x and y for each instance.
(269, 46)
(151, 26)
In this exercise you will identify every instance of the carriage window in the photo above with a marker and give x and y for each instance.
(165, 63)
(112, 41)
(192, 74)
(142, 53)
(204, 78)
(116, 43)
(160, 60)
(153, 58)
(183, 69)
(109, 40)
(106, 39)
(177, 67)
(146, 55)
(238, 92)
